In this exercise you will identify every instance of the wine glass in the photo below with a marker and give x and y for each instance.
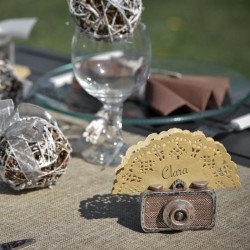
(110, 71)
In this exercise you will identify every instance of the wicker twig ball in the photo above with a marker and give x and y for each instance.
(10, 86)
(34, 153)
(106, 19)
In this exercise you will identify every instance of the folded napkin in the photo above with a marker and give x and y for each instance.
(17, 27)
(166, 93)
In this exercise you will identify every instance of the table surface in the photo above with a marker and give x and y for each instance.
(237, 143)
(80, 213)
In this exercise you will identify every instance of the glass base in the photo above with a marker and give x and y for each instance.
(103, 154)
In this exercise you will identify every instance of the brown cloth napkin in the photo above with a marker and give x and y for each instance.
(196, 93)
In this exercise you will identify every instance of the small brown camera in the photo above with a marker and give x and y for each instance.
(179, 208)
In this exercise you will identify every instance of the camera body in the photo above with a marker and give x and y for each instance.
(179, 208)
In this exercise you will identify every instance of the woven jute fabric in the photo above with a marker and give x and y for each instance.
(80, 213)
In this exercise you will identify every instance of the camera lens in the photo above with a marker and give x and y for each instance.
(180, 215)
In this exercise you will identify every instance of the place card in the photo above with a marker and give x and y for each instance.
(175, 154)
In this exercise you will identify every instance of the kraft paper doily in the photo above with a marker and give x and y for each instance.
(175, 154)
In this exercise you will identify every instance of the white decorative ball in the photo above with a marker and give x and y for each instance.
(34, 153)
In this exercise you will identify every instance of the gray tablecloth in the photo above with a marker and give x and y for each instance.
(80, 213)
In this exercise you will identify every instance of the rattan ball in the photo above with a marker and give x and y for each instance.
(10, 86)
(106, 19)
(50, 151)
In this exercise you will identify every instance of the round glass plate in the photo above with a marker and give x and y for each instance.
(55, 91)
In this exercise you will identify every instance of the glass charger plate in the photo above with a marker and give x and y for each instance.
(61, 96)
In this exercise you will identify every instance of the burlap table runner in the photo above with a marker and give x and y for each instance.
(80, 213)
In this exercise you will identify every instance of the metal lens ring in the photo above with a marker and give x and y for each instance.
(178, 214)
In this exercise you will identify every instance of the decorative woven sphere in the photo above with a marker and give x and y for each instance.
(10, 86)
(106, 18)
(38, 158)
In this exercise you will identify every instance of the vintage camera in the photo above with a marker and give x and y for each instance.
(178, 208)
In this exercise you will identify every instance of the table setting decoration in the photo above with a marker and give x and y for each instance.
(22, 71)
(195, 93)
(217, 130)
(11, 29)
(169, 188)
(178, 208)
(176, 173)
(163, 157)
(18, 244)
(6, 48)
(14, 82)
(34, 153)
(106, 19)
(54, 86)
(11, 86)
(111, 55)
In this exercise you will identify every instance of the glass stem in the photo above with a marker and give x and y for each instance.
(114, 122)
